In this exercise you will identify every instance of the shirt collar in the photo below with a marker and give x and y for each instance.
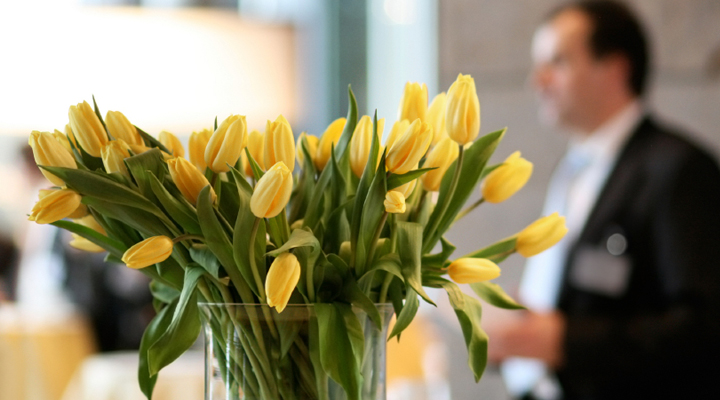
(607, 140)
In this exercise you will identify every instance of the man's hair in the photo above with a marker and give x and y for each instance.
(616, 30)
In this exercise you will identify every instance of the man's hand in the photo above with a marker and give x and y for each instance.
(529, 334)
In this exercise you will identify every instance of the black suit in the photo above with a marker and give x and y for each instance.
(658, 336)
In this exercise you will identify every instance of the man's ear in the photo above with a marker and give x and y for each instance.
(617, 68)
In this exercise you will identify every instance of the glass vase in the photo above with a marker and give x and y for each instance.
(252, 352)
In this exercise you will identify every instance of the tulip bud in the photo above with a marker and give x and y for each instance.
(80, 242)
(327, 141)
(407, 151)
(150, 251)
(436, 117)
(120, 128)
(414, 102)
(282, 277)
(506, 179)
(472, 270)
(541, 235)
(172, 143)
(62, 139)
(440, 157)
(361, 143)
(256, 148)
(279, 143)
(47, 151)
(394, 202)
(188, 179)
(397, 130)
(272, 192)
(196, 147)
(312, 144)
(88, 130)
(113, 156)
(54, 205)
(226, 144)
(462, 110)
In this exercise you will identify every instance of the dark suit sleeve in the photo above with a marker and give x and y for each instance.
(675, 336)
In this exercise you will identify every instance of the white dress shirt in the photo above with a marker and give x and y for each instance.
(573, 191)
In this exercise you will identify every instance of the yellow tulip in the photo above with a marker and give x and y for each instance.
(272, 192)
(327, 141)
(88, 130)
(79, 212)
(62, 139)
(436, 117)
(414, 102)
(407, 188)
(462, 110)
(54, 205)
(440, 157)
(113, 156)
(394, 202)
(120, 128)
(472, 270)
(361, 143)
(80, 242)
(312, 145)
(282, 277)
(172, 143)
(409, 148)
(256, 148)
(226, 144)
(506, 179)
(48, 152)
(188, 179)
(398, 128)
(279, 143)
(150, 251)
(196, 148)
(541, 235)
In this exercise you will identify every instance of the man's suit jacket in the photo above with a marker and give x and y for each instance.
(641, 289)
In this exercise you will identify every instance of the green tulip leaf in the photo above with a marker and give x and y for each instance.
(373, 210)
(112, 246)
(151, 141)
(389, 263)
(145, 165)
(163, 292)
(437, 260)
(495, 295)
(183, 329)
(181, 212)
(407, 313)
(202, 255)
(409, 242)
(358, 298)
(157, 327)
(340, 338)
(495, 251)
(363, 186)
(397, 180)
(469, 312)
(144, 222)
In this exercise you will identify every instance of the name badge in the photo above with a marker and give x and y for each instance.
(601, 270)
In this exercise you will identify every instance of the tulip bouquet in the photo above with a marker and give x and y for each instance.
(354, 227)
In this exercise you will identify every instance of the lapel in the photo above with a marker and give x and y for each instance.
(620, 185)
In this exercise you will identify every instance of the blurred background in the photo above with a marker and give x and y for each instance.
(176, 65)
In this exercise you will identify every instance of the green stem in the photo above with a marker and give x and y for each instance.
(373, 243)
(385, 286)
(253, 264)
(187, 236)
(430, 239)
(468, 210)
(419, 206)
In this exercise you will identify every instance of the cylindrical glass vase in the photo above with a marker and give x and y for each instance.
(306, 352)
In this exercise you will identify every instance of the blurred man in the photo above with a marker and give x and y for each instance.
(626, 306)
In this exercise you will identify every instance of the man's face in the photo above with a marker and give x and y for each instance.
(566, 75)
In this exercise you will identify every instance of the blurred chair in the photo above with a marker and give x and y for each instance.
(39, 355)
(113, 376)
